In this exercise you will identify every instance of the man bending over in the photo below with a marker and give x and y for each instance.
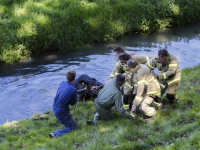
(109, 96)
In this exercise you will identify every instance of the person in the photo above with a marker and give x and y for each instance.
(118, 69)
(128, 86)
(66, 95)
(108, 97)
(146, 88)
(169, 73)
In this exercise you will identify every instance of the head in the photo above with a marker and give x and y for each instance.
(118, 51)
(71, 75)
(132, 63)
(119, 80)
(163, 55)
(124, 57)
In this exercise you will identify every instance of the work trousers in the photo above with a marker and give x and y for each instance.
(170, 89)
(103, 114)
(145, 108)
(69, 123)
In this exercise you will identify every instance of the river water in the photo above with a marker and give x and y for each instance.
(30, 86)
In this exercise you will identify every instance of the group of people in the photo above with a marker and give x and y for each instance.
(133, 85)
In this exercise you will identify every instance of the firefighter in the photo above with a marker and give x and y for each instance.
(127, 87)
(118, 69)
(108, 97)
(169, 73)
(146, 88)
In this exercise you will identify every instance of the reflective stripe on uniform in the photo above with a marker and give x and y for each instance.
(151, 79)
(128, 85)
(154, 92)
(171, 65)
(112, 75)
(135, 85)
(138, 98)
(164, 75)
(149, 63)
(157, 104)
(133, 114)
(158, 94)
(160, 71)
(126, 106)
(157, 83)
(118, 65)
(177, 79)
(116, 73)
(162, 85)
(127, 72)
(142, 81)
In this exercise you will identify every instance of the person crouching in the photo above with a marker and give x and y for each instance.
(109, 96)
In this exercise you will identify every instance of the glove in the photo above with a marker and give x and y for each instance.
(133, 111)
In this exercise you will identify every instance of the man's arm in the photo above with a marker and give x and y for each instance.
(73, 98)
(171, 70)
(141, 90)
(151, 63)
(119, 105)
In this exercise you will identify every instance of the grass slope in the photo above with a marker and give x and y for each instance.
(175, 127)
(30, 27)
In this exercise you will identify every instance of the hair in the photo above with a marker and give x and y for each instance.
(119, 79)
(132, 63)
(124, 56)
(71, 75)
(119, 50)
(162, 53)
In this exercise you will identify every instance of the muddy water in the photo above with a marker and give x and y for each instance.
(30, 86)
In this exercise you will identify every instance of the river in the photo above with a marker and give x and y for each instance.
(30, 86)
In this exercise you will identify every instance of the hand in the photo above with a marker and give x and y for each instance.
(156, 76)
(133, 109)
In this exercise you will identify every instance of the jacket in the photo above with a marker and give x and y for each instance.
(144, 83)
(169, 73)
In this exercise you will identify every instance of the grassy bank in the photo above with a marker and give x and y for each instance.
(175, 127)
(30, 27)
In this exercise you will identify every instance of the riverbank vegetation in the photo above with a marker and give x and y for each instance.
(176, 126)
(30, 27)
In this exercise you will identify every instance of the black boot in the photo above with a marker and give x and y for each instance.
(90, 122)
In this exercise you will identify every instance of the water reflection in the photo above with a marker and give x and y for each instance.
(30, 86)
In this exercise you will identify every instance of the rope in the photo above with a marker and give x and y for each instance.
(85, 89)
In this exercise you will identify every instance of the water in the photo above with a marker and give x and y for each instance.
(30, 86)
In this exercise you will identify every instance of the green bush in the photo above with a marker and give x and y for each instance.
(66, 25)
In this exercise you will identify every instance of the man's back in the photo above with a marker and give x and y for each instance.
(66, 94)
(107, 95)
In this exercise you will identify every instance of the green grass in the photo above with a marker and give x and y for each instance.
(175, 127)
(30, 27)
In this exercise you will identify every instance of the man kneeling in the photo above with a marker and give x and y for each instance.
(109, 96)
(65, 96)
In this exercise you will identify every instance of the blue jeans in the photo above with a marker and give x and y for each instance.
(69, 122)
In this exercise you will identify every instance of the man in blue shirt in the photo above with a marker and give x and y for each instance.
(65, 96)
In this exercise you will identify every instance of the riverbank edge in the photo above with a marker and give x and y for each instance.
(176, 126)
(29, 28)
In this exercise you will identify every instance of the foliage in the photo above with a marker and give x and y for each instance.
(66, 25)
(175, 126)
